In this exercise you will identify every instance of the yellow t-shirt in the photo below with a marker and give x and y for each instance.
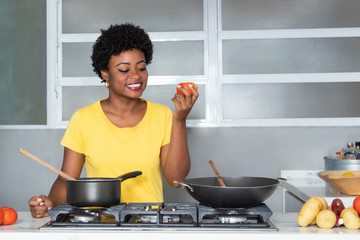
(111, 151)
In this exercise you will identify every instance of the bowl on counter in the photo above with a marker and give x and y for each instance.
(345, 181)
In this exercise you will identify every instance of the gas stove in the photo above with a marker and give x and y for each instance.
(160, 216)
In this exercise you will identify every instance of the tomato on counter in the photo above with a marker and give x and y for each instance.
(356, 204)
(187, 87)
(7, 216)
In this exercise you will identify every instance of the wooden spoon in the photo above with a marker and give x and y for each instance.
(221, 181)
(61, 173)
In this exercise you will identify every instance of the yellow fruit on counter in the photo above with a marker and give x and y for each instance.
(326, 219)
(313, 222)
(351, 219)
(351, 209)
(348, 174)
(323, 203)
(309, 211)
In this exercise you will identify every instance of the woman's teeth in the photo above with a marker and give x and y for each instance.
(136, 85)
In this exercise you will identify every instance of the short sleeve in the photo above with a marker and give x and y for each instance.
(73, 137)
(168, 127)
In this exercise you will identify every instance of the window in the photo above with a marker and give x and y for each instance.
(289, 62)
(23, 63)
(257, 63)
(180, 46)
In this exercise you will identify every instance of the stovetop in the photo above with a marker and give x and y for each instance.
(160, 216)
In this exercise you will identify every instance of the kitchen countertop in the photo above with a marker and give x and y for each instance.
(28, 228)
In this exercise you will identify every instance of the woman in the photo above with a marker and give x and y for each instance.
(124, 133)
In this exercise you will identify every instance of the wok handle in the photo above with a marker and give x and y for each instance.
(129, 175)
(281, 180)
(184, 185)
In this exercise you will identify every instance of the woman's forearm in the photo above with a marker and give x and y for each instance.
(177, 163)
(58, 191)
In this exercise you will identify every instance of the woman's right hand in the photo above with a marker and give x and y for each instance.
(39, 206)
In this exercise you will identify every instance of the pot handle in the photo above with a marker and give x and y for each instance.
(129, 175)
(184, 185)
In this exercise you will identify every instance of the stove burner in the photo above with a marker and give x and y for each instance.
(67, 215)
(253, 217)
(148, 219)
(86, 215)
(83, 218)
(159, 214)
(232, 219)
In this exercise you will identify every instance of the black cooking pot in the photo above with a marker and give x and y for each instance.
(240, 192)
(91, 192)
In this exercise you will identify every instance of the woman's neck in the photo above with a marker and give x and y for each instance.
(124, 113)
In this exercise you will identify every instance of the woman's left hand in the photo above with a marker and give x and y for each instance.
(174, 157)
(184, 102)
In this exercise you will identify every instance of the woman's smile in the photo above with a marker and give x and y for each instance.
(135, 86)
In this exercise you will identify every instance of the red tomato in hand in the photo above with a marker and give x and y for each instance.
(8, 216)
(356, 204)
(187, 87)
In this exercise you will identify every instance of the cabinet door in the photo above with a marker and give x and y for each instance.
(23, 62)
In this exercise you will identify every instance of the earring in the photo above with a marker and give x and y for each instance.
(107, 85)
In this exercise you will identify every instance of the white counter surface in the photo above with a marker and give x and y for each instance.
(28, 228)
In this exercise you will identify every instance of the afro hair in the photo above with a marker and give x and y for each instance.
(117, 39)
